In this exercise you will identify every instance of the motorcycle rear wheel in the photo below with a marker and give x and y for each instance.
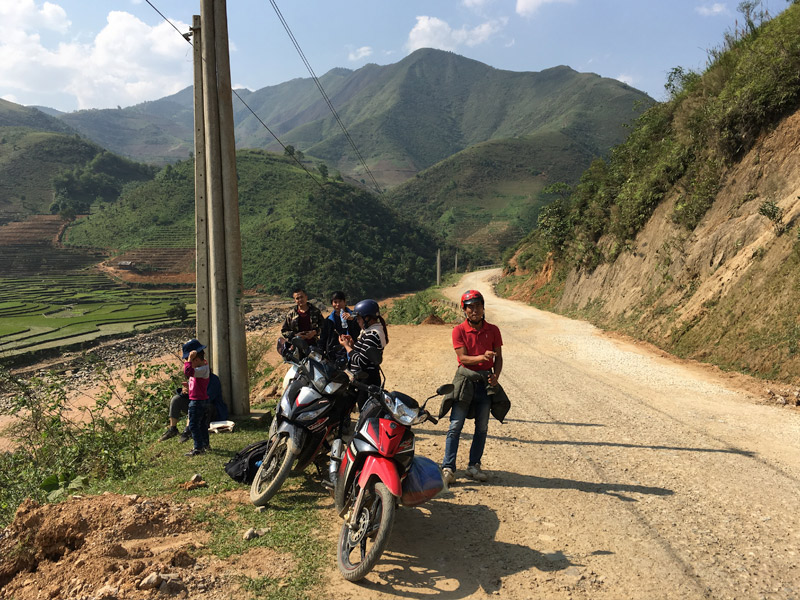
(273, 472)
(360, 549)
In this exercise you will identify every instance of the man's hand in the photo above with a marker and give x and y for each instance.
(308, 335)
(192, 355)
(489, 355)
(492, 379)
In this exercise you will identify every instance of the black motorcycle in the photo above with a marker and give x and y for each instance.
(313, 411)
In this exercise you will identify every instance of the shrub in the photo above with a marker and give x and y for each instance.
(58, 446)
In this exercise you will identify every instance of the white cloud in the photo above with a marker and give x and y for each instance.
(10, 98)
(432, 32)
(718, 8)
(126, 63)
(526, 8)
(475, 3)
(360, 53)
(25, 15)
(624, 78)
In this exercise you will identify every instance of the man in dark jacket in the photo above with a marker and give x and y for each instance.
(341, 321)
(478, 347)
(304, 320)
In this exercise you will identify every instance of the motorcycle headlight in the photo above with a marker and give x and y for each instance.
(403, 414)
(312, 414)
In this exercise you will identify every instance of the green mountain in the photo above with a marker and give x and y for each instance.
(687, 235)
(157, 132)
(403, 117)
(487, 198)
(14, 115)
(46, 167)
(295, 230)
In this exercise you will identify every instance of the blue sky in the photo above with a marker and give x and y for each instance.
(75, 54)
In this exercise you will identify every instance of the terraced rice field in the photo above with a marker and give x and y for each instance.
(52, 297)
(56, 310)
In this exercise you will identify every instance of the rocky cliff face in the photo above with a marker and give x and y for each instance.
(728, 292)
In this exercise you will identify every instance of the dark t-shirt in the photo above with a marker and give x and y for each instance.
(304, 320)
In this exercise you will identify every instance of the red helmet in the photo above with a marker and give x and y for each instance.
(469, 297)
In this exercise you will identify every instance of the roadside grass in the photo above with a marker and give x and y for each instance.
(416, 308)
(291, 521)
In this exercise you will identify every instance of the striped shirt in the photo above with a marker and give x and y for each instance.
(372, 337)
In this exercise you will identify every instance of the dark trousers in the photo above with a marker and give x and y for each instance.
(198, 423)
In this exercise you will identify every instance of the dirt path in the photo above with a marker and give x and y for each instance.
(618, 474)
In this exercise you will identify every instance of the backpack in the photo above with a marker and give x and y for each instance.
(243, 466)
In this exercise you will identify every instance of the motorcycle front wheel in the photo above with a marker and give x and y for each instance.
(360, 548)
(273, 471)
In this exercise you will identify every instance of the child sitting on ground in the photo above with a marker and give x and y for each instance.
(196, 369)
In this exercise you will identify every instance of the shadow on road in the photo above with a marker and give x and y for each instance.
(618, 490)
(566, 423)
(449, 550)
(466, 438)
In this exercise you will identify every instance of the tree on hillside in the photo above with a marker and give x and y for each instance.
(177, 310)
(289, 150)
(323, 170)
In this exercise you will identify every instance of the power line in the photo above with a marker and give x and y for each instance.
(324, 94)
(186, 36)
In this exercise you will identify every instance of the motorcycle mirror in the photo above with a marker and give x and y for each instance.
(281, 346)
(445, 389)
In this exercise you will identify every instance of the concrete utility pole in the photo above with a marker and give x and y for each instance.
(456, 265)
(220, 321)
(438, 266)
(202, 293)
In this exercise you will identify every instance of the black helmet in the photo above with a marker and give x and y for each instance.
(367, 308)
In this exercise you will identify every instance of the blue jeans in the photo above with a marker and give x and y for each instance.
(482, 404)
(198, 423)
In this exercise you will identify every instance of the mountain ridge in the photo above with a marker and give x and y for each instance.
(404, 117)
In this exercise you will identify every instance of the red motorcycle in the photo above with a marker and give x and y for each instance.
(377, 472)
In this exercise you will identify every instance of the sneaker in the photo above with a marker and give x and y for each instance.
(206, 448)
(185, 436)
(474, 471)
(195, 452)
(448, 476)
(171, 432)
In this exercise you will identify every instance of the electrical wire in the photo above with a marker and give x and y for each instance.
(324, 94)
(186, 36)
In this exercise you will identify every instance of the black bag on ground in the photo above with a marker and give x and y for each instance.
(242, 467)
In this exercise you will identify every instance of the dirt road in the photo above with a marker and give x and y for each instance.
(618, 474)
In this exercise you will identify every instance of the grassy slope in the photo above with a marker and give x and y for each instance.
(488, 196)
(28, 162)
(679, 156)
(292, 231)
(154, 132)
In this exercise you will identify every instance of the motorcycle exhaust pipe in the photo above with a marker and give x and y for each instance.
(337, 451)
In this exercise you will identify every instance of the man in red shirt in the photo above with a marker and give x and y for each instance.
(478, 347)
